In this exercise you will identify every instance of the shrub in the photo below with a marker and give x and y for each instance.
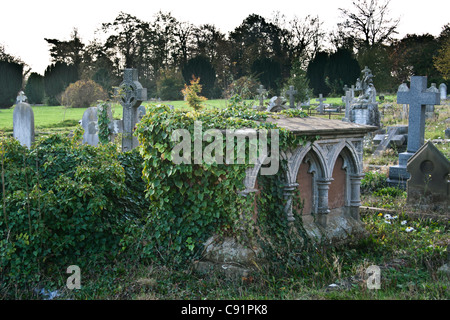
(64, 203)
(83, 93)
(170, 84)
(192, 94)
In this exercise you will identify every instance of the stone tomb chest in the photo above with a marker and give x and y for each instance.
(328, 174)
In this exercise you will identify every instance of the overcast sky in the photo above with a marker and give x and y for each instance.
(25, 24)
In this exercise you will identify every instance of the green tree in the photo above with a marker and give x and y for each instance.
(316, 73)
(169, 85)
(201, 67)
(34, 89)
(300, 81)
(268, 71)
(10, 82)
(192, 92)
(57, 77)
(342, 68)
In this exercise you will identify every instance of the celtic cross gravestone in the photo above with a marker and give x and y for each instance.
(132, 95)
(291, 92)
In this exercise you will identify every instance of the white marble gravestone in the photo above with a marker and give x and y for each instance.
(89, 122)
(443, 91)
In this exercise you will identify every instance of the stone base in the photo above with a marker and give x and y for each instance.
(366, 114)
(337, 227)
(235, 259)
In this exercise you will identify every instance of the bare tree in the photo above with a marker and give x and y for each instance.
(368, 23)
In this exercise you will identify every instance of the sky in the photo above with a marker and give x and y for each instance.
(25, 24)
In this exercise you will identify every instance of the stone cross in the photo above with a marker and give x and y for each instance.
(291, 92)
(261, 92)
(23, 124)
(21, 97)
(352, 90)
(321, 99)
(131, 98)
(417, 97)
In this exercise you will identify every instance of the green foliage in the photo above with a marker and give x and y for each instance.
(169, 85)
(316, 74)
(10, 82)
(192, 201)
(342, 69)
(103, 122)
(63, 201)
(300, 81)
(373, 181)
(268, 71)
(34, 89)
(246, 87)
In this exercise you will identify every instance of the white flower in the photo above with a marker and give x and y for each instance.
(395, 217)
(388, 222)
(404, 222)
(409, 229)
(387, 216)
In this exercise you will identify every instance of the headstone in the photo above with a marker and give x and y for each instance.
(89, 122)
(321, 99)
(261, 95)
(141, 112)
(291, 92)
(133, 95)
(429, 109)
(364, 109)
(348, 102)
(395, 136)
(428, 185)
(443, 91)
(23, 124)
(447, 133)
(417, 97)
(276, 104)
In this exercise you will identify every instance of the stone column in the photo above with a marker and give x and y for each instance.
(323, 186)
(288, 191)
(355, 189)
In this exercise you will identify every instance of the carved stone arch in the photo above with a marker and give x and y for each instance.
(350, 157)
(252, 175)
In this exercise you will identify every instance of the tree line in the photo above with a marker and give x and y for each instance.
(273, 51)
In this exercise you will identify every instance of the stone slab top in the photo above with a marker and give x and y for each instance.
(311, 126)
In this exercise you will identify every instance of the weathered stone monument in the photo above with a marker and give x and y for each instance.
(277, 104)
(429, 109)
(21, 97)
(23, 124)
(364, 109)
(348, 102)
(89, 122)
(443, 91)
(291, 92)
(391, 137)
(261, 95)
(428, 186)
(133, 94)
(321, 99)
(417, 97)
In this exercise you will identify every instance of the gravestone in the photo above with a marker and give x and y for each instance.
(429, 109)
(348, 102)
(291, 92)
(364, 109)
(321, 99)
(89, 122)
(23, 124)
(443, 91)
(428, 186)
(277, 104)
(392, 137)
(417, 97)
(133, 94)
(261, 95)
